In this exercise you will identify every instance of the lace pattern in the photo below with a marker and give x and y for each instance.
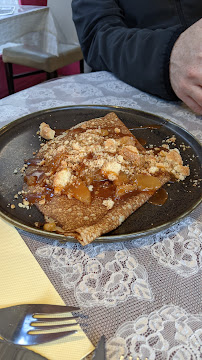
(168, 333)
(106, 274)
(100, 280)
(180, 255)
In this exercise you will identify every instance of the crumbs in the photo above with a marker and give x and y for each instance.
(195, 182)
(20, 202)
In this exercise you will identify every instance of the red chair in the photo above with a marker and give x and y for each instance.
(33, 2)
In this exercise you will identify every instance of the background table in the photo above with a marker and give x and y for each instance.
(143, 294)
(29, 25)
(32, 25)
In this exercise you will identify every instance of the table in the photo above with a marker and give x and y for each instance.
(35, 26)
(143, 294)
(32, 25)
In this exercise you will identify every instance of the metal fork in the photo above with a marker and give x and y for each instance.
(18, 322)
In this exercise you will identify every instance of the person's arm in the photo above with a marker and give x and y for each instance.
(186, 67)
(139, 57)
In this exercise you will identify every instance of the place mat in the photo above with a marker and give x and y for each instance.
(23, 281)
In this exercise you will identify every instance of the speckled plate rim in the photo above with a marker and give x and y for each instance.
(103, 238)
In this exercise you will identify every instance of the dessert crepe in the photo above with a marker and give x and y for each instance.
(89, 179)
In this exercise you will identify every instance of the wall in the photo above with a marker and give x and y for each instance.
(33, 2)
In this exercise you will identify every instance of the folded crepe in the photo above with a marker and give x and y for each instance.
(90, 178)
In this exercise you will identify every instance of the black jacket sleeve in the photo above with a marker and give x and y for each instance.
(139, 57)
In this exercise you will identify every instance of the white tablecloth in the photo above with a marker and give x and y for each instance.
(143, 294)
(31, 25)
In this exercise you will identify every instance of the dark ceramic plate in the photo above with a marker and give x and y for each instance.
(18, 141)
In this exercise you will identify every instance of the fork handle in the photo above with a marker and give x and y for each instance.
(11, 351)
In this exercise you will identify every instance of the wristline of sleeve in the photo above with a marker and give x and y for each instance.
(175, 35)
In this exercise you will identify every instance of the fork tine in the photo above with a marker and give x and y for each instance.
(52, 327)
(37, 309)
(15, 323)
(35, 339)
(51, 319)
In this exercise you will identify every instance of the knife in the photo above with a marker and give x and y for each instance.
(10, 351)
(100, 352)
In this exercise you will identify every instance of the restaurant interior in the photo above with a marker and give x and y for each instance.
(100, 203)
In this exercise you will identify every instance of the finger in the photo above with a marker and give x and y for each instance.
(196, 94)
(192, 104)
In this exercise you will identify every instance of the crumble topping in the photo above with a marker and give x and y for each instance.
(46, 132)
(111, 170)
(171, 140)
(84, 162)
(61, 179)
(109, 203)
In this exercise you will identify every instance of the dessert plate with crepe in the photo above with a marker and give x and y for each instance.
(94, 173)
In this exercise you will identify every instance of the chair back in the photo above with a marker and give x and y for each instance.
(62, 13)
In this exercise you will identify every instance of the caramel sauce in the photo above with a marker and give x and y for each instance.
(33, 161)
(77, 130)
(53, 165)
(73, 131)
(109, 130)
(91, 155)
(158, 149)
(60, 131)
(102, 188)
(153, 126)
(34, 178)
(159, 198)
(142, 141)
(79, 191)
(34, 198)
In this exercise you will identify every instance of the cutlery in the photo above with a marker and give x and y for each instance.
(17, 323)
(100, 352)
(12, 351)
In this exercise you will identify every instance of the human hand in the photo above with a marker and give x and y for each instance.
(186, 67)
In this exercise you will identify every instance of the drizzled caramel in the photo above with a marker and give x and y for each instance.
(124, 166)
(33, 161)
(159, 198)
(102, 188)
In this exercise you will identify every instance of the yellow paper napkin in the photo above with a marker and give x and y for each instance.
(22, 281)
